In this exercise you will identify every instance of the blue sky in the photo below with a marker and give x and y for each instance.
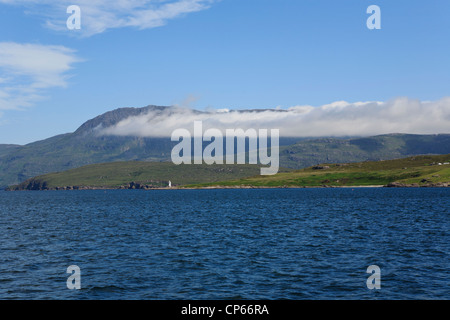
(234, 54)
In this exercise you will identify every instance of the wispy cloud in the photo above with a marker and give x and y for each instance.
(27, 70)
(101, 15)
(401, 115)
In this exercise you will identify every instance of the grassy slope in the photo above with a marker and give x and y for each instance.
(408, 171)
(117, 174)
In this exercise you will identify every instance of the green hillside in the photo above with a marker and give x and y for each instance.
(134, 174)
(412, 171)
(415, 171)
(307, 153)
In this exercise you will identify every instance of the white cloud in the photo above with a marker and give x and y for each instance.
(401, 115)
(101, 15)
(27, 70)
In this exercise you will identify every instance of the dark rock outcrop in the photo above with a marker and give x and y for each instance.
(416, 185)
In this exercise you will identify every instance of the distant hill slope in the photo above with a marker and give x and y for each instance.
(84, 147)
(384, 147)
(413, 171)
(8, 148)
(135, 174)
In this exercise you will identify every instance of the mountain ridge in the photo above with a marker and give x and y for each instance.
(113, 117)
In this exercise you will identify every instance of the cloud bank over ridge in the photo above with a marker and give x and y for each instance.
(400, 115)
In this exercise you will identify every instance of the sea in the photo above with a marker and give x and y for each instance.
(295, 244)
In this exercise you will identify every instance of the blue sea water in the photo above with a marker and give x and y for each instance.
(226, 244)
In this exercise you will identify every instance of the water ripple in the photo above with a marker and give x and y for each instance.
(226, 244)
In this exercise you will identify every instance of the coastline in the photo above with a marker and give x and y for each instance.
(390, 185)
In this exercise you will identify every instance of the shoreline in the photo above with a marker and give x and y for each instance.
(390, 185)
